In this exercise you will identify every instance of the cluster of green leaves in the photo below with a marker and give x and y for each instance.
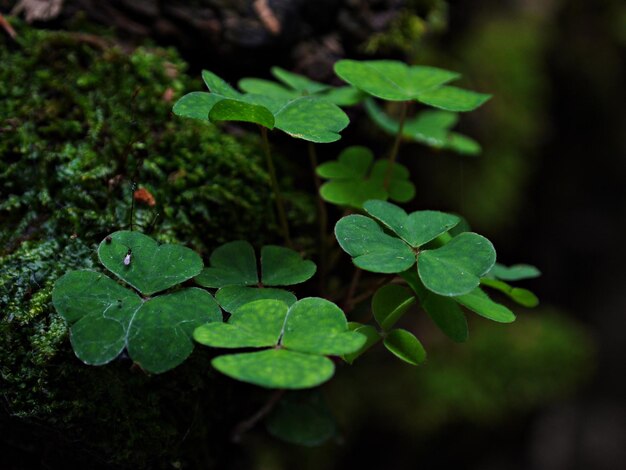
(442, 262)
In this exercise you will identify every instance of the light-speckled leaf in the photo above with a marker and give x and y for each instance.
(284, 267)
(444, 311)
(389, 303)
(233, 263)
(317, 326)
(452, 98)
(196, 105)
(392, 80)
(312, 119)
(405, 346)
(302, 418)
(276, 368)
(144, 264)
(456, 268)
(254, 325)
(416, 228)
(237, 110)
(480, 303)
(371, 248)
(231, 298)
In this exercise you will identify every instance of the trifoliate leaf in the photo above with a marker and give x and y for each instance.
(231, 298)
(480, 303)
(284, 267)
(233, 263)
(451, 98)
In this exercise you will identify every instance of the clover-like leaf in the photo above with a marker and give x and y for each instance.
(105, 318)
(392, 80)
(234, 268)
(405, 346)
(305, 117)
(303, 418)
(480, 303)
(456, 268)
(517, 272)
(523, 297)
(147, 266)
(354, 180)
(389, 303)
(417, 228)
(301, 336)
(429, 127)
(444, 311)
(370, 247)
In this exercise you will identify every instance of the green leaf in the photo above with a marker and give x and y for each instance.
(300, 334)
(392, 80)
(343, 96)
(405, 346)
(429, 127)
(351, 185)
(517, 272)
(451, 98)
(196, 105)
(236, 110)
(312, 119)
(444, 311)
(372, 337)
(353, 162)
(371, 248)
(456, 268)
(276, 368)
(159, 335)
(416, 228)
(98, 310)
(389, 303)
(298, 82)
(151, 267)
(302, 418)
(231, 298)
(105, 318)
(233, 263)
(480, 303)
(218, 86)
(317, 326)
(254, 325)
(284, 267)
(523, 297)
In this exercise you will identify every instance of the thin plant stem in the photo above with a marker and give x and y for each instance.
(249, 423)
(280, 205)
(348, 303)
(322, 218)
(393, 155)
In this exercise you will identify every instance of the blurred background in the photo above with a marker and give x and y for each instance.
(549, 189)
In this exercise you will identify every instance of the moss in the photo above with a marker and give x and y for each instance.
(80, 123)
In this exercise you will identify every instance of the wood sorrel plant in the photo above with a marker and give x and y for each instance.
(426, 258)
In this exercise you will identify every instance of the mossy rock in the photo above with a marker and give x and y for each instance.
(80, 121)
